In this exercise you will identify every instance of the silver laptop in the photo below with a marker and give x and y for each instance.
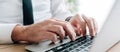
(110, 33)
(105, 39)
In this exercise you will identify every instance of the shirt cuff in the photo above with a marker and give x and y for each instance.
(5, 33)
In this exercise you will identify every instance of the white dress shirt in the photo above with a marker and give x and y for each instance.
(11, 14)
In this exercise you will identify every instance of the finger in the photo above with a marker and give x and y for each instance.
(95, 25)
(50, 36)
(70, 31)
(74, 23)
(82, 25)
(92, 30)
(67, 27)
(58, 30)
(89, 24)
(83, 28)
(41, 36)
(76, 27)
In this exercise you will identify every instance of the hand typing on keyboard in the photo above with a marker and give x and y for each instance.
(80, 23)
(53, 29)
(81, 44)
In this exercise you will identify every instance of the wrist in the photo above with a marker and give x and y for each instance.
(18, 33)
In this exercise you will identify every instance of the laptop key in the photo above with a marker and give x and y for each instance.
(74, 46)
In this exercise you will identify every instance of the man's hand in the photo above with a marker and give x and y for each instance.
(53, 29)
(49, 29)
(80, 23)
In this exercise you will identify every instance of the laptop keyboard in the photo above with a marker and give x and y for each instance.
(81, 44)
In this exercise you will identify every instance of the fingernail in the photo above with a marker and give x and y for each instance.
(73, 39)
(93, 34)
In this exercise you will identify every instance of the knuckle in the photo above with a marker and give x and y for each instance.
(58, 27)
(60, 30)
(65, 24)
(53, 35)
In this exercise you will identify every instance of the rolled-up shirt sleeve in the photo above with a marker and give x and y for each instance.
(5, 33)
(58, 9)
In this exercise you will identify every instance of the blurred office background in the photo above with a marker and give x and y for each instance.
(98, 9)
(72, 5)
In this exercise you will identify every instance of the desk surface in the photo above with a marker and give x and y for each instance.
(115, 48)
(12, 48)
(21, 48)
